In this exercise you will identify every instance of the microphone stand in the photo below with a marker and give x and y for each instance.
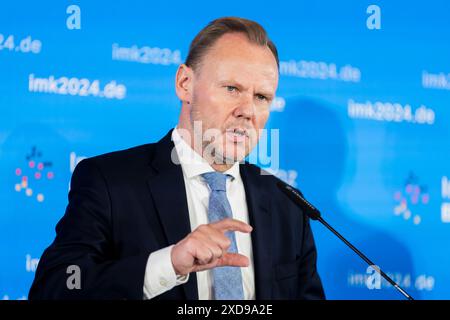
(296, 196)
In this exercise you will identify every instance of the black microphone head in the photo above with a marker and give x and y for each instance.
(297, 197)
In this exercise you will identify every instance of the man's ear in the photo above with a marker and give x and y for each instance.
(184, 83)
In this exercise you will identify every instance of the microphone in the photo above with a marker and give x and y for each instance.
(297, 197)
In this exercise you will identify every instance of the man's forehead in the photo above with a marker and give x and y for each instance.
(227, 70)
(244, 76)
(234, 58)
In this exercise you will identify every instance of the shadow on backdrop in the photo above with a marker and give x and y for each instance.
(316, 146)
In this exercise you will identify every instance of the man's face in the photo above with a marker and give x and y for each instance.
(231, 93)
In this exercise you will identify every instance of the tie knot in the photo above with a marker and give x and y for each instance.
(216, 180)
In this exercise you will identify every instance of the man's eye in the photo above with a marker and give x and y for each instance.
(261, 97)
(231, 88)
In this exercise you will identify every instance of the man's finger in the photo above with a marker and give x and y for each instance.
(232, 225)
(203, 254)
(217, 236)
(233, 260)
(229, 260)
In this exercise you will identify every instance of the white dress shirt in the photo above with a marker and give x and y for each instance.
(159, 273)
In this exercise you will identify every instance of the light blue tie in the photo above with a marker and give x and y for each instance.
(227, 280)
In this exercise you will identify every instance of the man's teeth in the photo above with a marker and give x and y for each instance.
(239, 132)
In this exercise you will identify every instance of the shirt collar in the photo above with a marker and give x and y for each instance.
(192, 163)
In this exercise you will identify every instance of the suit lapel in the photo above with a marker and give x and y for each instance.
(168, 191)
(258, 203)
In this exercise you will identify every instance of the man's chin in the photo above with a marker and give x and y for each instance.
(226, 154)
(231, 158)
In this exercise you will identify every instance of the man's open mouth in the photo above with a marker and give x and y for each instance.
(237, 134)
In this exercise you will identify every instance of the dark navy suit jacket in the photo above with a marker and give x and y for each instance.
(126, 204)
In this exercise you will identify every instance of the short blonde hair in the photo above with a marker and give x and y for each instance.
(206, 38)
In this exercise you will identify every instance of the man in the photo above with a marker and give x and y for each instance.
(183, 218)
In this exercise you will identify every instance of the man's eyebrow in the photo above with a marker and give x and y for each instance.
(231, 82)
(266, 91)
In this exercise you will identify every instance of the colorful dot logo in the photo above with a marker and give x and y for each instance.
(411, 199)
(34, 170)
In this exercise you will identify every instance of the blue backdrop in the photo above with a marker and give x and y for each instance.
(363, 108)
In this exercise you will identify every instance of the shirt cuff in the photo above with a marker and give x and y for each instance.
(160, 275)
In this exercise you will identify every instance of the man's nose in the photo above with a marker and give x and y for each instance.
(246, 107)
